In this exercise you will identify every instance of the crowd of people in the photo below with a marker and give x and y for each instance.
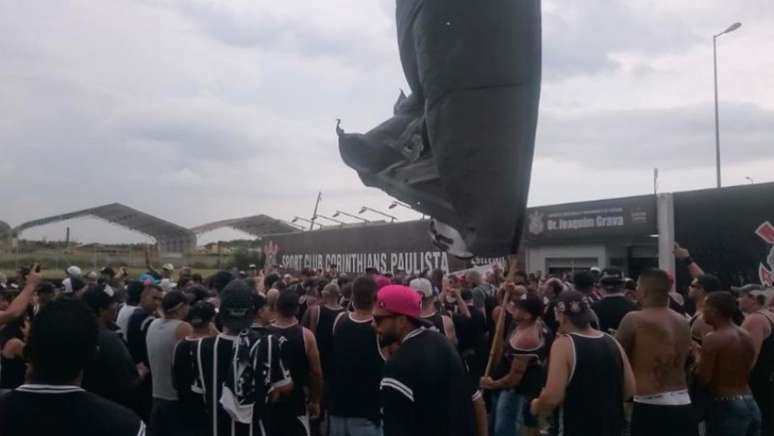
(274, 352)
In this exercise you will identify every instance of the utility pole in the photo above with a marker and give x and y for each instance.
(316, 205)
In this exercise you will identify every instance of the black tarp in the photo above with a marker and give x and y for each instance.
(460, 147)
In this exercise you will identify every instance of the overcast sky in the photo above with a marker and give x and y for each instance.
(198, 110)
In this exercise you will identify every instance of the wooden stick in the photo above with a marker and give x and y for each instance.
(501, 320)
(498, 335)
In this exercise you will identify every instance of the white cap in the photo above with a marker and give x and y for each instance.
(168, 267)
(423, 286)
(74, 271)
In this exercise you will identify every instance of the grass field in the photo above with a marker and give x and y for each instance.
(54, 262)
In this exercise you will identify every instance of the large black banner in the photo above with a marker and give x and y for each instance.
(353, 248)
(729, 232)
(620, 217)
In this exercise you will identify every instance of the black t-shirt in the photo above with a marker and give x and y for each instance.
(425, 391)
(610, 310)
(112, 374)
(471, 339)
(356, 369)
(55, 410)
(136, 333)
(12, 372)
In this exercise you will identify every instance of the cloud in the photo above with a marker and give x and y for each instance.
(198, 110)
(581, 38)
(673, 137)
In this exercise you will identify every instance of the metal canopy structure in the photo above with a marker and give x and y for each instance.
(171, 237)
(256, 225)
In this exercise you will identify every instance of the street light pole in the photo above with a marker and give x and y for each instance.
(717, 114)
(730, 28)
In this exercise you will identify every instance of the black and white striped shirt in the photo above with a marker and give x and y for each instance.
(205, 364)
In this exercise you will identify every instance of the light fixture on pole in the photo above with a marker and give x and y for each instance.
(750, 179)
(331, 219)
(730, 28)
(311, 223)
(296, 226)
(339, 212)
(364, 209)
(397, 203)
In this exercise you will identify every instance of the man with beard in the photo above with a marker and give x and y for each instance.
(419, 396)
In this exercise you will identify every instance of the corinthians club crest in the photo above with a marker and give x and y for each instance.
(536, 223)
(766, 272)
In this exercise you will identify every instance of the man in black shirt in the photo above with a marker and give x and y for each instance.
(356, 367)
(63, 338)
(237, 373)
(137, 329)
(299, 351)
(614, 305)
(424, 389)
(112, 374)
(471, 335)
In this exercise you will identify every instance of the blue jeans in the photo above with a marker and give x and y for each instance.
(507, 417)
(342, 426)
(737, 417)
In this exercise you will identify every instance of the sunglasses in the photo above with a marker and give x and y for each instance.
(379, 318)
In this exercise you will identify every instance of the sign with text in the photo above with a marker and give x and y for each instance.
(632, 216)
(353, 248)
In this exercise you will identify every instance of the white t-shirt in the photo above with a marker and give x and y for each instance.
(122, 320)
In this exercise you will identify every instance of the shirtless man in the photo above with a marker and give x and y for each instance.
(727, 355)
(657, 341)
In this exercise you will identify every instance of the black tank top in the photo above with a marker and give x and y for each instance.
(356, 370)
(593, 403)
(324, 336)
(762, 373)
(294, 356)
(437, 320)
(533, 379)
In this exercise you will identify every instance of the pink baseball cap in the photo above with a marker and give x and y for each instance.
(399, 300)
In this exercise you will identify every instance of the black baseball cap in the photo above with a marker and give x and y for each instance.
(99, 297)
(173, 300)
(611, 278)
(531, 303)
(201, 313)
(576, 306)
(237, 305)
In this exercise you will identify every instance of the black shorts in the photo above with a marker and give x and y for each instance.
(652, 420)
